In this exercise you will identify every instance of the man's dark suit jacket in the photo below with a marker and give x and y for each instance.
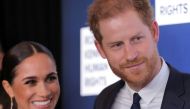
(176, 96)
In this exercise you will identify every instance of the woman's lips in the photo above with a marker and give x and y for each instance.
(41, 103)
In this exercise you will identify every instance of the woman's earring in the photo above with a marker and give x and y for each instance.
(11, 103)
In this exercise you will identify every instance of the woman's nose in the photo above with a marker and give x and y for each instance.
(43, 90)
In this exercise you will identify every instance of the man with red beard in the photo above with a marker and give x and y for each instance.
(127, 36)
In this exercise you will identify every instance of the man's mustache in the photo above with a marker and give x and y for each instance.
(132, 63)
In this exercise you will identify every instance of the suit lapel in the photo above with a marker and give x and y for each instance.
(107, 97)
(174, 89)
(114, 93)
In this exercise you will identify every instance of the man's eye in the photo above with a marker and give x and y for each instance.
(30, 82)
(116, 44)
(137, 39)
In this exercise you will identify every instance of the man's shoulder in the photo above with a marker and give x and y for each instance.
(113, 88)
(176, 72)
(179, 77)
(177, 87)
(107, 95)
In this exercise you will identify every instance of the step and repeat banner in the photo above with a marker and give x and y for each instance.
(174, 21)
(85, 73)
(95, 73)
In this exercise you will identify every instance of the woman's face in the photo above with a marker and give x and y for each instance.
(36, 85)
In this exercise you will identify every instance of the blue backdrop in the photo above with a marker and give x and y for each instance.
(173, 46)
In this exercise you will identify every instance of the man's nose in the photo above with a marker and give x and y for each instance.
(130, 52)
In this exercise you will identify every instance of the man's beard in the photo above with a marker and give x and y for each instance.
(146, 74)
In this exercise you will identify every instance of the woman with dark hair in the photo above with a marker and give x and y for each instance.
(29, 76)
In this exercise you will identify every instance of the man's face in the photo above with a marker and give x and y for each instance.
(130, 48)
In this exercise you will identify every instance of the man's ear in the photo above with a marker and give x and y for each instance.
(100, 49)
(155, 31)
(8, 88)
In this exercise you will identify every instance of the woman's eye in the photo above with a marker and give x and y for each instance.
(30, 82)
(51, 78)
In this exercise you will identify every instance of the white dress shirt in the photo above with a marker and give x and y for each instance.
(151, 95)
